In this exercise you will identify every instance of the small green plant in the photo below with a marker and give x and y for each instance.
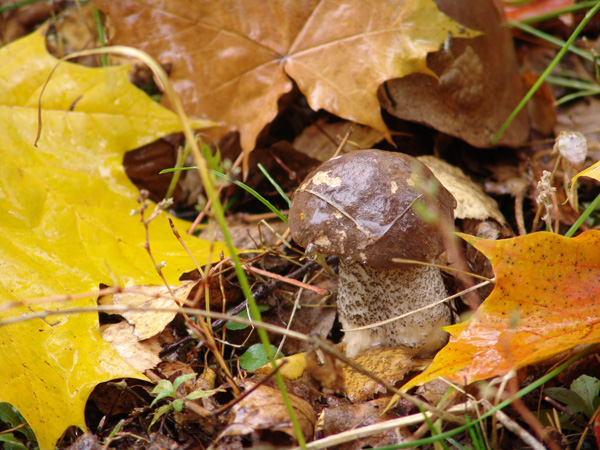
(17, 424)
(233, 326)
(167, 390)
(255, 357)
(580, 400)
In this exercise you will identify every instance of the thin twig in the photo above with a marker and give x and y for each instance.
(185, 247)
(515, 428)
(564, 410)
(294, 309)
(370, 430)
(287, 280)
(143, 200)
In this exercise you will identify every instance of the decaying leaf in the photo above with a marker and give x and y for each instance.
(545, 302)
(321, 140)
(347, 417)
(471, 201)
(149, 323)
(66, 226)
(141, 355)
(477, 84)
(389, 363)
(326, 369)
(263, 416)
(232, 61)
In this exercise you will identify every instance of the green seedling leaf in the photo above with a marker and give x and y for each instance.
(178, 404)
(164, 409)
(255, 357)
(233, 326)
(571, 399)
(588, 388)
(162, 393)
(182, 379)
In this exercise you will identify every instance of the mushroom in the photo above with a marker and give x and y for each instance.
(368, 207)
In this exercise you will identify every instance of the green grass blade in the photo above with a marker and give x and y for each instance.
(245, 187)
(274, 183)
(546, 72)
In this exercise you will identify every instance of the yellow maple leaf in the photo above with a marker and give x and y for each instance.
(65, 226)
(233, 60)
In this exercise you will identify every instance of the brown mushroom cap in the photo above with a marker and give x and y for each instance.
(362, 206)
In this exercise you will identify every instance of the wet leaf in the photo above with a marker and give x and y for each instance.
(263, 412)
(389, 363)
(66, 226)
(233, 60)
(477, 83)
(544, 303)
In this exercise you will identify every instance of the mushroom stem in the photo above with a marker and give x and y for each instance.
(367, 295)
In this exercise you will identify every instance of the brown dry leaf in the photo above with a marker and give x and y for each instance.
(149, 323)
(389, 363)
(326, 369)
(263, 415)
(321, 140)
(478, 85)
(584, 117)
(232, 61)
(141, 355)
(471, 201)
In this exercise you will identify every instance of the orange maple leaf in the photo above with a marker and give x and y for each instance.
(545, 301)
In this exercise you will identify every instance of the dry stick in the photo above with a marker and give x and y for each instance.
(185, 247)
(64, 298)
(370, 430)
(519, 217)
(343, 143)
(265, 289)
(300, 284)
(259, 293)
(143, 200)
(527, 415)
(564, 410)
(294, 309)
(513, 426)
(202, 329)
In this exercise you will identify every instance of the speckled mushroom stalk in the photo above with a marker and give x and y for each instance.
(363, 207)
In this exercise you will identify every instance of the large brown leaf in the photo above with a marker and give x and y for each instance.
(478, 82)
(232, 60)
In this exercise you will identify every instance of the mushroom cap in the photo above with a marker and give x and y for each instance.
(363, 206)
